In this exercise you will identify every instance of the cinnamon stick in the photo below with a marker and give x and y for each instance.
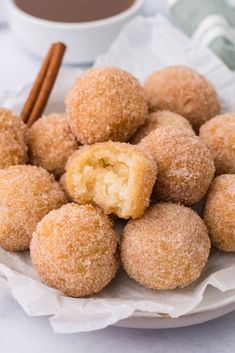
(40, 92)
(28, 106)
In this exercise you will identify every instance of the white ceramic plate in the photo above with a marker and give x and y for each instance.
(215, 304)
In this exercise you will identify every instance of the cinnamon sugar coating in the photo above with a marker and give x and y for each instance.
(219, 212)
(51, 143)
(115, 176)
(185, 165)
(161, 119)
(27, 193)
(13, 148)
(219, 136)
(166, 248)
(74, 249)
(182, 90)
(105, 104)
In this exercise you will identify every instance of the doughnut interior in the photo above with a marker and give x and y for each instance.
(112, 178)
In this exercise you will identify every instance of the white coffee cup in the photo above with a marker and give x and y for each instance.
(85, 40)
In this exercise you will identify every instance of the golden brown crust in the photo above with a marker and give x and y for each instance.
(219, 212)
(63, 185)
(27, 193)
(13, 148)
(166, 248)
(161, 119)
(116, 176)
(182, 90)
(105, 104)
(219, 136)
(185, 165)
(74, 249)
(51, 143)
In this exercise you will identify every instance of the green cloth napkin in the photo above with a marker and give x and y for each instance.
(208, 22)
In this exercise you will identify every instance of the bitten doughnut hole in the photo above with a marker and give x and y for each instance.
(102, 178)
(114, 176)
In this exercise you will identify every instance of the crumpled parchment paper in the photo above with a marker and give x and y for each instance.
(144, 45)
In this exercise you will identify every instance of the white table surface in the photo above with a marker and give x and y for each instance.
(22, 334)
